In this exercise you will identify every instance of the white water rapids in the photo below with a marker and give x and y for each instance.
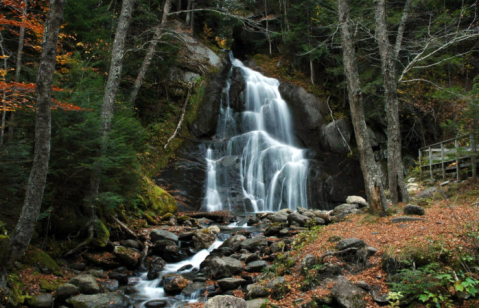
(272, 171)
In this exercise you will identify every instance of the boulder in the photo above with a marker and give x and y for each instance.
(230, 283)
(278, 216)
(412, 209)
(176, 285)
(65, 291)
(222, 301)
(360, 201)
(308, 262)
(86, 284)
(336, 136)
(348, 295)
(256, 266)
(345, 209)
(427, 193)
(273, 229)
(225, 267)
(237, 91)
(202, 239)
(256, 291)
(155, 268)
(159, 234)
(156, 303)
(254, 243)
(298, 219)
(114, 299)
(350, 243)
(128, 256)
(44, 300)
(275, 282)
(234, 242)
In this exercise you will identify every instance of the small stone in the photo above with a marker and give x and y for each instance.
(405, 219)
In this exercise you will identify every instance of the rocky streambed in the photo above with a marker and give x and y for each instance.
(186, 260)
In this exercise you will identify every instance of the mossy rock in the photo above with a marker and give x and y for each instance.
(15, 295)
(102, 235)
(157, 199)
(41, 259)
(51, 285)
(167, 217)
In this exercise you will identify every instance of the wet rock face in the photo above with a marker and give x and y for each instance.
(306, 111)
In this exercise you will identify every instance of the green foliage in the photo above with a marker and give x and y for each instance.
(431, 284)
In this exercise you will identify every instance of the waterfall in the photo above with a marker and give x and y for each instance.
(254, 148)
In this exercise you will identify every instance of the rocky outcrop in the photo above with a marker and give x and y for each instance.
(307, 111)
(336, 136)
(348, 295)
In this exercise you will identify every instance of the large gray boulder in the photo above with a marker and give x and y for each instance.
(159, 234)
(44, 300)
(230, 283)
(225, 301)
(336, 136)
(234, 242)
(225, 267)
(298, 219)
(203, 238)
(66, 290)
(256, 266)
(116, 300)
(130, 257)
(412, 209)
(256, 291)
(348, 295)
(254, 243)
(86, 284)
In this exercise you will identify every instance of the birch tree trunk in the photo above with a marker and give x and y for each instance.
(371, 172)
(13, 247)
(389, 57)
(109, 98)
(150, 52)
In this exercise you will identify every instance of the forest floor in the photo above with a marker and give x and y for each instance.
(439, 255)
(443, 247)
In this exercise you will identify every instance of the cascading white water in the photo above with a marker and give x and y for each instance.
(272, 171)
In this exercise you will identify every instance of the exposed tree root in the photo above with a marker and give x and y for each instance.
(84, 243)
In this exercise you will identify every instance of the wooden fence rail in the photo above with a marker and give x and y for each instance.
(450, 156)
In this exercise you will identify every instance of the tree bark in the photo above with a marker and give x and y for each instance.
(17, 243)
(389, 56)
(150, 52)
(371, 172)
(4, 96)
(109, 98)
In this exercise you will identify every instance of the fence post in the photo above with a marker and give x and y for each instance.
(430, 162)
(420, 164)
(456, 144)
(442, 162)
(473, 157)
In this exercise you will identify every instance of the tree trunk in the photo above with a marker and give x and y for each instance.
(188, 14)
(267, 26)
(18, 70)
(150, 52)
(18, 242)
(111, 90)
(371, 172)
(192, 21)
(389, 56)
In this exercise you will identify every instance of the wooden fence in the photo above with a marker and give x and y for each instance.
(450, 156)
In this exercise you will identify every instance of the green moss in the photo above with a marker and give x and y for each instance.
(15, 286)
(167, 217)
(101, 232)
(39, 258)
(156, 199)
(149, 218)
(182, 219)
(50, 285)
